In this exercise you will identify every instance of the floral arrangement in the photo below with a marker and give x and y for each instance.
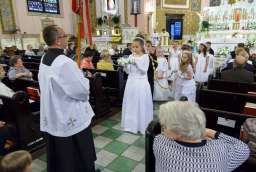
(124, 61)
(223, 51)
(250, 43)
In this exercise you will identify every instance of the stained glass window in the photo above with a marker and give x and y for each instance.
(44, 6)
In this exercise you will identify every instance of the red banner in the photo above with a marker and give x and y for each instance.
(87, 8)
(77, 7)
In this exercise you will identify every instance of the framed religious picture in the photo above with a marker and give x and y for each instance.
(176, 4)
(7, 16)
(196, 5)
(214, 3)
(110, 6)
(135, 4)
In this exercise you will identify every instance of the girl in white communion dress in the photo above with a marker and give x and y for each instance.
(161, 87)
(137, 109)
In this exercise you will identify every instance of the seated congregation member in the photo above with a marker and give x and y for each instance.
(128, 50)
(248, 64)
(209, 48)
(96, 54)
(86, 61)
(105, 62)
(17, 69)
(253, 58)
(65, 111)
(4, 90)
(234, 53)
(186, 145)
(203, 64)
(29, 51)
(161, 86)
(71, 49)
(19, 161)
(184, 84)
(113, 50)
(41, 50)
(238, 73)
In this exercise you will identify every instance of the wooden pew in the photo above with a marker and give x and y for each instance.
(20, 84)
(31, 65)
(212, 116)
(98, 101)
(221, 100)
(16, 110)
(31, 59)
(222, 85)
(113, 82)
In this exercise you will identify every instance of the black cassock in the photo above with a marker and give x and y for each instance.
(71, 154)
(151, 72)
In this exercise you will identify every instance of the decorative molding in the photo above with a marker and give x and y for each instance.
(196, 5)
(178, 4)
(7, 16)
(126, 11)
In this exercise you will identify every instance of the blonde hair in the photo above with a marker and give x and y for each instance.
(184, 65)
(16, 161)
(105, 55)
(183, 118)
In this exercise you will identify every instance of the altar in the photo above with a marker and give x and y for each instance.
(228, 24)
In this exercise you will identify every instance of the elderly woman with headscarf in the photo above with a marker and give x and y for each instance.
(186, 145)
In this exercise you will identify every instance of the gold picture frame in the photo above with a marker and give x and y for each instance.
(181, 4)
(7, 16)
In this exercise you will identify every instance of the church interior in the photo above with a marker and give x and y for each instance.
(127, 85)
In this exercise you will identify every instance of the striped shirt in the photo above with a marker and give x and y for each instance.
(218, 155)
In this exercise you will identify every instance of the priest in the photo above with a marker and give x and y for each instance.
(65, 114)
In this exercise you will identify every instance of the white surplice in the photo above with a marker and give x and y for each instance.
(64, 106)
(137, 109)
(155, 39)
(161, 87)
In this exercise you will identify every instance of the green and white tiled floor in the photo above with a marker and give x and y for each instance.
(117, 151)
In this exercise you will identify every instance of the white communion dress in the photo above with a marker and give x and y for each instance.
(200, 75)
(161, 87)
(137, 109)
(174, 63)
(185, 87)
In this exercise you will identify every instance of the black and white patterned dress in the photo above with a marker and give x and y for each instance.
(218, 155)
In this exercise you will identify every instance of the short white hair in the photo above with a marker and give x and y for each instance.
(183, 118)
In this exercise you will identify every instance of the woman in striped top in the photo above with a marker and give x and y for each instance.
(186, 145)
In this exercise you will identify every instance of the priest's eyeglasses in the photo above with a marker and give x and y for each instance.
(63, 36)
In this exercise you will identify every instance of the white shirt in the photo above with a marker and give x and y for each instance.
(5, 91)
(64, 108)
(29, 53)
(155, 39)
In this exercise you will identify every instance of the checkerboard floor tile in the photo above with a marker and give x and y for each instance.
(117, 151)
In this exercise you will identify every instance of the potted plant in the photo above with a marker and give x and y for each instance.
(116, 21)
(99, 21)
(205, 25)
